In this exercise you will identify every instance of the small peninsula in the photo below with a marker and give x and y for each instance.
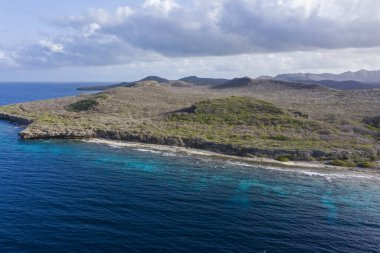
(282, 120)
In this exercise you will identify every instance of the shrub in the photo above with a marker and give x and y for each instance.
(373, 122)
(89, 103)
(279, 138)
(343, 163)
(84, 105)
(301, 114)
(283, 159)
(366, 165)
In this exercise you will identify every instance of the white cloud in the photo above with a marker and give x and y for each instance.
(90, 29)
(51, 46)
(123, 12)
(160, 6)
(253, 65)
(7, 60)
(99, 15)
(335, 61)
(215, 11)
(218, 36)
(3, 56)
(225, 27)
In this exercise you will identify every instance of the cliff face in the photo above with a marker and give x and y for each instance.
(260, 120)
(15, 119)
(56, 132)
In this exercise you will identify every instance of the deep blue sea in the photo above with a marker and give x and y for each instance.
(73, 196)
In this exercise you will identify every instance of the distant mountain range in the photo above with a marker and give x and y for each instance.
(183, 82)
(363, 76)
(247, 82)
(361, 79)
(124, 84)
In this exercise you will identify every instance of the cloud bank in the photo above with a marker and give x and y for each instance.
(166, 29)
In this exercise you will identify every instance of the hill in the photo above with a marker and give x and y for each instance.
(363, 76)
(204, 81)
(154, 78)
(361, 79)
(345, 85)
(246, 82)
(186, 81)
(103, 87)
(125, 84)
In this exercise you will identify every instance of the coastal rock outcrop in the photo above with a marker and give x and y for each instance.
(16, 119)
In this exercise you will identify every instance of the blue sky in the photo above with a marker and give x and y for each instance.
(98, 40)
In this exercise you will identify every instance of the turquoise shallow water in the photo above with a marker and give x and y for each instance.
(72, 196)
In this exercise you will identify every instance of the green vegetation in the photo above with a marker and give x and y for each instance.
(237, 111)
(343, 163)
(279, 138)
(89, 103)
(367, 164)
(283, 159)
(374, 122)
(245, 121)
(231, 111)
(52, 119)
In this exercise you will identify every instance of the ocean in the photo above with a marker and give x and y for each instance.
(75, 196)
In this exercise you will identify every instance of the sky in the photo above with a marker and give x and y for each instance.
(126, 40)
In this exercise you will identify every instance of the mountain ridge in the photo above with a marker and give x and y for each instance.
(203, 81)
(246, 82)
(364, 76)
(362, 79)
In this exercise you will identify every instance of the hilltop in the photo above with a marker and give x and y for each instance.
(204, 81)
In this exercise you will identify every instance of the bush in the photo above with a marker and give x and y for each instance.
(87, 104)
(343, 163)
(279, 138)
(283, 159)
(84, 105)
(366, 165)
(373, 122)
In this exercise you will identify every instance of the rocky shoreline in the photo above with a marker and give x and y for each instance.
(300, 158)
(195, 143)
(15, 119)
(213, 155)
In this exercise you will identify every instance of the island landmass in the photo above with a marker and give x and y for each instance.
(243, 117)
